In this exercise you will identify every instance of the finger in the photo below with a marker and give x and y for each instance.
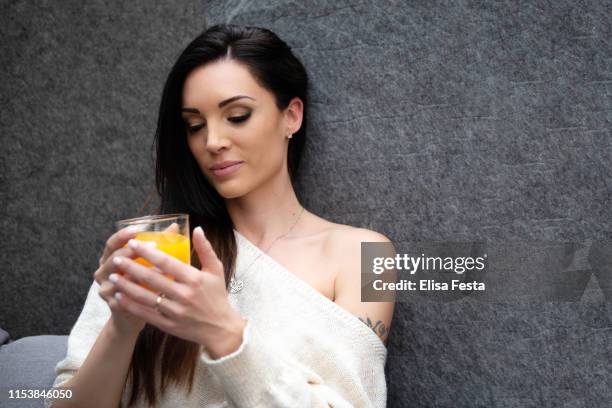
(112, 303)
(106, 290)
(153, 278)
(117, 240)
(181, 271)
(149, 314)
(174, 227)
(208, 258)
(101, 274)
(145, 297)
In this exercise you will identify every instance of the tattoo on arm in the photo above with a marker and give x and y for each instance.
(379, 328)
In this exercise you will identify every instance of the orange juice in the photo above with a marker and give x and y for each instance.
(173, 244)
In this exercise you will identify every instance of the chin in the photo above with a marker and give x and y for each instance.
(230, 196)
(231, 191)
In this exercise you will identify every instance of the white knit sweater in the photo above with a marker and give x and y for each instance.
(299, 348)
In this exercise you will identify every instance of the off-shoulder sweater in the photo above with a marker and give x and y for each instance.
(299, 348)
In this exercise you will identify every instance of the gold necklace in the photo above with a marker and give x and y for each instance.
(236, 285)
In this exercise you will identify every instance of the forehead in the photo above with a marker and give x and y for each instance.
(208, 84)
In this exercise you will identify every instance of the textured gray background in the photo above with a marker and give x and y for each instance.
(429, 121)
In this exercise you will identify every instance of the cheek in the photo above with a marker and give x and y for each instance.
(198, 152)
(193, 145)
(256, 142)
(266, 146)
(267, 158)
(197, 147)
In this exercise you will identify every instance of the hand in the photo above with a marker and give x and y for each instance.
(124, 322)
(196, 307)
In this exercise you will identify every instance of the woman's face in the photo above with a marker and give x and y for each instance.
(231, 118)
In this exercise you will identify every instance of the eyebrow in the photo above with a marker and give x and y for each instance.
(221, 104)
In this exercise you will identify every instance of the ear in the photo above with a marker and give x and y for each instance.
(294, 114)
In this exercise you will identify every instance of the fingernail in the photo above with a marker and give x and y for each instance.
(117, 260)
(117, 295)
(131, 229)
(133, 243)
(150, 243)
(202, 231)
(113, 277)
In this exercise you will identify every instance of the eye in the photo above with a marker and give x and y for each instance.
(238, 119)
(194, 128)
(234, 119)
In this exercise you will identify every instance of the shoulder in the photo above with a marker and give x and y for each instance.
(348, 235)
(344, 245)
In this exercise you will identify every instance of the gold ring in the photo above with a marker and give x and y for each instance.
(158, 301)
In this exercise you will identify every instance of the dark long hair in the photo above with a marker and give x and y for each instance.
(182, 187)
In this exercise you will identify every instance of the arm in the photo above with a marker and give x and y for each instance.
(101, 378)
(376, 315)
(255, 372)
(259, 374)
(98, 357)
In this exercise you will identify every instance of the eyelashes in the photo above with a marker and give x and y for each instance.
(238, 119)
(194, 128)
(233, 119)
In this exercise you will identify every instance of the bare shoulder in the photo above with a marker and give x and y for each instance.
(346, 234)
(344, 242)
(344, 245)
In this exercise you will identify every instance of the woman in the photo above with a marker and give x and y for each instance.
(292, 331)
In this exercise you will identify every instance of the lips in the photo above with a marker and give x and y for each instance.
(224, 164)
(227, 170)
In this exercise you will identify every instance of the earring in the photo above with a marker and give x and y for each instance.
(290, 136)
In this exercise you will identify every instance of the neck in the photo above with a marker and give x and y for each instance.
(266, 213)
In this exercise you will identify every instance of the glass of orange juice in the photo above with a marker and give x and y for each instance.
(169, 231)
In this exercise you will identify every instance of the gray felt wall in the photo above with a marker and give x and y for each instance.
(452, 120)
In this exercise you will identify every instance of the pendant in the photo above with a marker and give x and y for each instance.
(236, 285)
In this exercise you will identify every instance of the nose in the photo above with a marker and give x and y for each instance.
(215, 141)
